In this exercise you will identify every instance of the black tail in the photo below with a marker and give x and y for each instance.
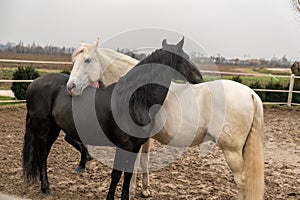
(31, 155)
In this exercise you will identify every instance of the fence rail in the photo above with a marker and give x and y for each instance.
(34, 61)
(16, 81)
(290, 92)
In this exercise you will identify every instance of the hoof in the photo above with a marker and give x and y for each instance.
(89, 157)
(110, 197)
(146, 193)
(46, 192)
(132, 192)
(78, 170)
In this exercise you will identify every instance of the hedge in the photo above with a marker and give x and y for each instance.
(27, 73)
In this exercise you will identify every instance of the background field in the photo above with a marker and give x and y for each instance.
(267, 82)
(7, 69)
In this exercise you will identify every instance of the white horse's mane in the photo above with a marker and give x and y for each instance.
(112, 64)
(83, 48)
(87, 48)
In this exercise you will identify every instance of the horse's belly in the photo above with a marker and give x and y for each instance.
(183, 137)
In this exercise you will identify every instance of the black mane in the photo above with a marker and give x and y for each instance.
(142, 81)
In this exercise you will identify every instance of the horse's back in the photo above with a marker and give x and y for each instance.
(42, 92)
(49, 81)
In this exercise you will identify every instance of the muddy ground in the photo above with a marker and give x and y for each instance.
(188, 178)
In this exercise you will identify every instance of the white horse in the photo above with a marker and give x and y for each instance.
(97, 64)
(229, 112)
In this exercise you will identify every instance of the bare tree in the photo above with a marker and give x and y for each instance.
(296, 5)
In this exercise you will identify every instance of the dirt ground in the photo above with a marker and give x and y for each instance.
(190, 177)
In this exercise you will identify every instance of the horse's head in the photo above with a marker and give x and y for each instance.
(296, 68)
(182, 62)
(86, 70)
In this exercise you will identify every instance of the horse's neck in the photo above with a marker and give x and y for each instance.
(114, 65)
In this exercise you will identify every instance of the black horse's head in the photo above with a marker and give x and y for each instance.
(174, 56)
(189, 70)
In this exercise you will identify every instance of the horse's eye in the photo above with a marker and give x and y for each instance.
(88, 60)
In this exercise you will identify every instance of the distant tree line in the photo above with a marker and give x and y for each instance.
(35, 49)
(135, 55)
(296, 5)
(273, 62)
(195, 56)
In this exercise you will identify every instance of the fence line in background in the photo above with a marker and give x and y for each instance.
(16, 81)
(247, 74)
(290, 91)
(36, 62)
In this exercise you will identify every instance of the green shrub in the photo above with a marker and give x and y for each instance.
(258, 85)
(275, 96)
(237, 79)
(21, 73)
(66, 71)
(296, 96)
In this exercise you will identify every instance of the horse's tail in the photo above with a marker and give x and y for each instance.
(30, 152)
(254, 155)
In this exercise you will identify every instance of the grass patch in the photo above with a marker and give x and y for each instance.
(48, 71)
(274, 72)
(263, 80)
(7, 73)
(5, 98)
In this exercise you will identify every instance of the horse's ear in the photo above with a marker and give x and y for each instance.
(180, 43)
(164, 43)
(81, 43)
(97, 42)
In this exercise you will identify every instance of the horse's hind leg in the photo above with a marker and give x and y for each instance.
(45, 144)
(43, 127)
(85, 156)
(235, 161)
(52, 136)
(83, 159)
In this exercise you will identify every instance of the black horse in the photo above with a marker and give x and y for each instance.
(50, 108)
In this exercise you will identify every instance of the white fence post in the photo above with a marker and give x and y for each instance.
(290, 96)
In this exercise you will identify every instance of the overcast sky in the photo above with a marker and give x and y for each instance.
(261, 28)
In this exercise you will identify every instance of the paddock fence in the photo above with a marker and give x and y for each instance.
(290, 91)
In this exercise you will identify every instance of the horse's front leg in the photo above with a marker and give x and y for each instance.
(128, 171)
(116, 173)
(133, 182)
(144, 165)
(115, 178)
(124, 161)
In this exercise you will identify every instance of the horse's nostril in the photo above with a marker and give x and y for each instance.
(71, 86)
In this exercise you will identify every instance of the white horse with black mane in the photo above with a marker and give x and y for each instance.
(226, 111)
